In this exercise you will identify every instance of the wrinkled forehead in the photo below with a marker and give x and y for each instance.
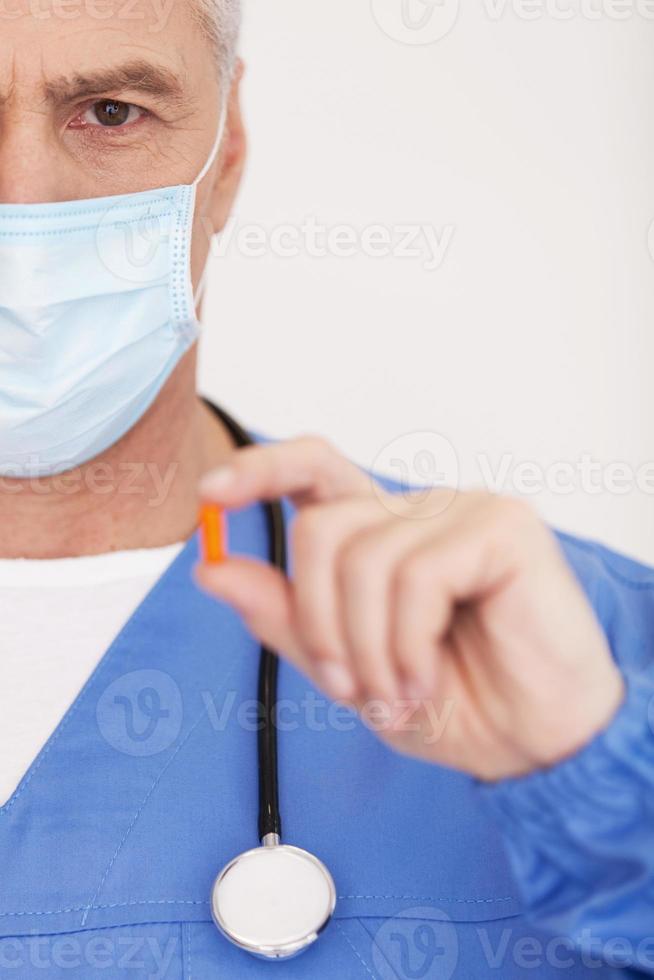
(42, 41)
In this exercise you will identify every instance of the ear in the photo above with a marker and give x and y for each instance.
(232, 157)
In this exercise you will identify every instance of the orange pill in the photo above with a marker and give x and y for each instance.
(213, 533)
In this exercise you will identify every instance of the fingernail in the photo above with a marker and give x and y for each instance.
(338, 681)
(217, 481)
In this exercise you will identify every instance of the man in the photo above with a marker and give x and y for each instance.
(512, 832)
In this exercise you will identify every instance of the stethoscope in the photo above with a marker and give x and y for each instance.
(274, 900)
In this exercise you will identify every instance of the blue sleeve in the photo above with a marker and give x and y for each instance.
(580, 836)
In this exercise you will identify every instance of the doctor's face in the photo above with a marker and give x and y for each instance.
(102, 97)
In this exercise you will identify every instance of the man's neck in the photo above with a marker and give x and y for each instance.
(140, 494)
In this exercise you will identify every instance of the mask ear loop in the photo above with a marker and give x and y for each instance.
(199, 293)
(202, 286)
(216, 146)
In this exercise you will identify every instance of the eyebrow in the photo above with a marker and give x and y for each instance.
(136, 76)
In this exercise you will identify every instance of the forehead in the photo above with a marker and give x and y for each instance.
(44, 38)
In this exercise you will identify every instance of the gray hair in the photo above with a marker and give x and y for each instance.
(221, 22)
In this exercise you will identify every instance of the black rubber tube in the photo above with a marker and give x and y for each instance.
(270, 821)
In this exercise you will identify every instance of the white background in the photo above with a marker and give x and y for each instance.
(530, 143)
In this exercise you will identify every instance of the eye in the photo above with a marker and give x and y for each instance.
(110, 114)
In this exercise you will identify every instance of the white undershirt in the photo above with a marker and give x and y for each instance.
(57, 619)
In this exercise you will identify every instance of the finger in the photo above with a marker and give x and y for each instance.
(469, 561)
(364, 566)
(261, 594)
(365, 569)
(307, 470)
(317, 534)
(370, 602)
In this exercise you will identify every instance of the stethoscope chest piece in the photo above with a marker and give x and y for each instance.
(273, 901)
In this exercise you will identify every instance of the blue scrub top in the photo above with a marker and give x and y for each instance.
(110, 844)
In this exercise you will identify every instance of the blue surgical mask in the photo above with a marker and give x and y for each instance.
(96, 310)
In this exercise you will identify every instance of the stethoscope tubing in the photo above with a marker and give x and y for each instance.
(269, 810)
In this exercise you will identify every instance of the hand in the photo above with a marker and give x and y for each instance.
(467, 628)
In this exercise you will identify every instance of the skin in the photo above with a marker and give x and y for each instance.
(462, 637)
(471, 616)
(52, 148)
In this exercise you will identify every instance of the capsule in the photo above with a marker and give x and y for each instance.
(213, 534)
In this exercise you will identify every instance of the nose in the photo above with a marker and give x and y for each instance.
(33, 167)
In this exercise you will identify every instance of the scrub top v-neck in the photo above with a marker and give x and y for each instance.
(148, 786)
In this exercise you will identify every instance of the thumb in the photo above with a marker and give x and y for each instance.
(262, 595)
